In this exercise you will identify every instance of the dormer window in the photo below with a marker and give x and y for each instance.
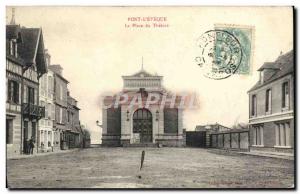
(262, 77)
(13, 48)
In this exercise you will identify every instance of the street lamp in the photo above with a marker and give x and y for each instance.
(99, 125)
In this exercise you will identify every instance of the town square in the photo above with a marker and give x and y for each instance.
(163, 168)
(92, 103)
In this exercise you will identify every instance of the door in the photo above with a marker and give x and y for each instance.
(142, 125)
(30, 95)
(26, 138)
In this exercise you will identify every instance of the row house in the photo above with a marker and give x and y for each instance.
(271, 105)
(61, 104)
(25, 64)
(74, 134)
(48, 137)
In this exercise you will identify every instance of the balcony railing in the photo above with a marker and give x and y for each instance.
(33, 111)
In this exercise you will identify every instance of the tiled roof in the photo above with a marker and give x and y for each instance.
(28, 49)
(30, 45)
(282, 66)
(268, 65)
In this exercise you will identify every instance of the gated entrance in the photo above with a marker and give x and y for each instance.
(142, 125)
(196, 139)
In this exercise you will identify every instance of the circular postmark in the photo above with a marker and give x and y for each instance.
(220, 54)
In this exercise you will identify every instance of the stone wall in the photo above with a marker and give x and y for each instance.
(230, 140)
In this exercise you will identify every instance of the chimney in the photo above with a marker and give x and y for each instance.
(56, 68)
(12, 21)
(48, 57)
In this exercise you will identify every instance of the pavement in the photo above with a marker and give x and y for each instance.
(163, 168)
(21, 156)
(286, 156)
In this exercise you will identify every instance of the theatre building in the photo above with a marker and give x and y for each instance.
(126, 124)
(271, 104)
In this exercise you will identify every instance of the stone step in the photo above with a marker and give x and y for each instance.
(141, 145)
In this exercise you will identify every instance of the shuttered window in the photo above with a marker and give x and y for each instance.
(170, 120)
(13, 91)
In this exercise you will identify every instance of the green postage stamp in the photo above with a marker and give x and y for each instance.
(245, 36)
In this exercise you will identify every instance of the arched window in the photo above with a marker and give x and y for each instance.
(143, 114)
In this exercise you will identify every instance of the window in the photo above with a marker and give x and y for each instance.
(72, 120)
(61, 92)
(50, 86)
(13, 91)
(258, 135)
(253, 105)
(13, 48)
(53, 112)
(9, 131)
(41, 138)
(30, 95)
(46, 111)
(282, 133)
(42, 104)
(49, 111)
(33, 127)
(262, 77)
(60, 115)
(285, 95)
(268, 100)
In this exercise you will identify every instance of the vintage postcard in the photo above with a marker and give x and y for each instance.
(163, 97)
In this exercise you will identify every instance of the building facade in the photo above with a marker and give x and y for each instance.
(123, 124)
(271, 105)
(48, 137)
(74, 134)
(25, 64)
(61, 104)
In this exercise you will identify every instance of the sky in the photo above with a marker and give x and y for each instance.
(95, 49)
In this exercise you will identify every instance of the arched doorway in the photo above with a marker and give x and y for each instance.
(142, 124)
